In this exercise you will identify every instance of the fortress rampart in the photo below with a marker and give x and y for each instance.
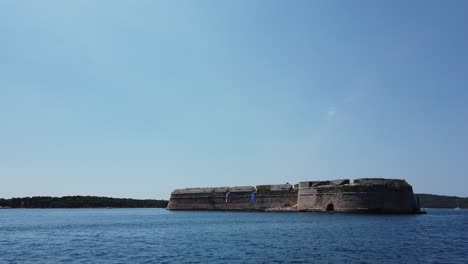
(262, 197)
(368, 195)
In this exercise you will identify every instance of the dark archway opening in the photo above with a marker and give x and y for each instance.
(330, 208)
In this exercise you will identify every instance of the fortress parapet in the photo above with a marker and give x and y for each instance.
(366, 195)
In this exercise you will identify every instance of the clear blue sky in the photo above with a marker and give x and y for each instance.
(136, 98)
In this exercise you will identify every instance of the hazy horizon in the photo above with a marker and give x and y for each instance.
(134, 99)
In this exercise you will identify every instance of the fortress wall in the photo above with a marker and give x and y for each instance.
(191, 198)
(307, 195)
(363, 195)
(275, 196)
(239, 199)
(341, 201)
(389, 196)
(316, 195)
(197, 198)
(344, 198)
(211, 198)
(266, 197)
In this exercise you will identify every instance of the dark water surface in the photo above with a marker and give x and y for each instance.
(160, 236)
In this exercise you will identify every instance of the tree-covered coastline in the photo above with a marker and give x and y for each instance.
(80, 202)
(441, 201)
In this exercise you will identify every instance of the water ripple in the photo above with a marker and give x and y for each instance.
(160, 236)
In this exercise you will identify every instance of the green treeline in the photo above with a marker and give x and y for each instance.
(80, 202)
(441, 201)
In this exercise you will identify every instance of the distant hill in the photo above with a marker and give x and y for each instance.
(441, 201)
(80, 202)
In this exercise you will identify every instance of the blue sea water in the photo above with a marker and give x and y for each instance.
(160, 236)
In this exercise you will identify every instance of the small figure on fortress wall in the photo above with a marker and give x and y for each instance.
(252, 198)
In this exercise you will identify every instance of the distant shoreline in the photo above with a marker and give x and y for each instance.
(97, 202)
(76, 202)
(441, 201)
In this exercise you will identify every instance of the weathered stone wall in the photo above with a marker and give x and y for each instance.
(307, 195)
(364, 195)
(196, 198)
(211, 198)
(239, 199)
(266, 197)
(275, 197)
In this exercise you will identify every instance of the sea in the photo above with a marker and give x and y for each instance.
(161, 236)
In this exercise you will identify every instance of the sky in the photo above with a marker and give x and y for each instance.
(137, 98)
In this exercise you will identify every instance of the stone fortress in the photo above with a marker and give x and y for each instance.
(367, 195)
